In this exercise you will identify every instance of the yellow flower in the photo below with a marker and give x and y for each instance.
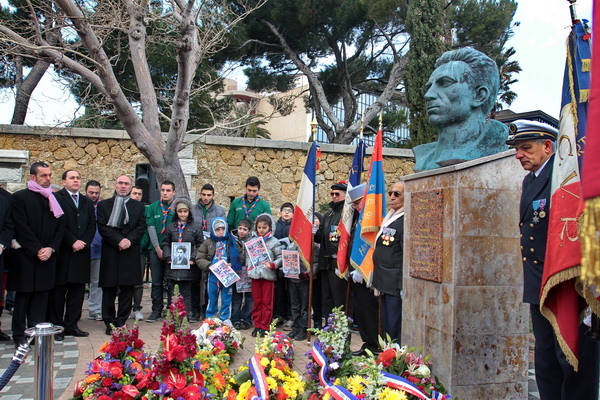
(272, 383)
(355, 384)
(392, 394)
(264, 361)
(243, 390)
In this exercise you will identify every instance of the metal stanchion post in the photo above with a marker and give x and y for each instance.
(44, 359)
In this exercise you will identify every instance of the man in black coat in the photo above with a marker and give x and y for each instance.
(555, 377)
(333, 288)
(122, 224)
(6, 235)
(387, 264)
(38, 230)
(73, 264)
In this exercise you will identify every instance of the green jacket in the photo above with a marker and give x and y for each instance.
(236, 211)
(154, 221)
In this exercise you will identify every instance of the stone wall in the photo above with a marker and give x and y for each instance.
(224, 162)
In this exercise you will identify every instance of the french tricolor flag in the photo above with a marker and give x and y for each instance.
(301, 229)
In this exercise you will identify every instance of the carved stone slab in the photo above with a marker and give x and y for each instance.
(426, 225)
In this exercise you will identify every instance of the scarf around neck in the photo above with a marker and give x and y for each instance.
(116, 219)
(234, 256)
(47, 193)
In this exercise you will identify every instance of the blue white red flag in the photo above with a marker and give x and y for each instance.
(560, 302)
(345, 225)
(301, 228)
(371, 214)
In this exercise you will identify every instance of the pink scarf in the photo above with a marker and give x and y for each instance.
(47, 193)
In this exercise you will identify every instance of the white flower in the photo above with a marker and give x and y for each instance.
(334, 365)
(423, 371)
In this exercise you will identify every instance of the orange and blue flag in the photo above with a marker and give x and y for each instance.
(345, 225)
(301, 228)
(371, 214)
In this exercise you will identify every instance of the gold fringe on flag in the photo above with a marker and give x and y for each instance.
(586, 64)
(584, 95)
(589, 234)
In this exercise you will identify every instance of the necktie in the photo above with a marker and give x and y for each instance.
(74, 196)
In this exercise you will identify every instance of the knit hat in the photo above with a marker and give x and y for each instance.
(182, 202)
(219, 223)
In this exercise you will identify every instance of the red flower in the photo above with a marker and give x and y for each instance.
(130, 390)
(196, 377)
(281, 395)
(104, 397)
(135, 354)
(386, 357)
(174, 379)
(116, 372)
(177, 353)
(138, 343)
(107, 382)
(121, 396)
(231, 395)
(413, 379)
(153, 385)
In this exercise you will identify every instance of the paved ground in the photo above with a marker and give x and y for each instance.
(73, 354)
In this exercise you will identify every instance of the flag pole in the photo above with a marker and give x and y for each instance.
(574, 18)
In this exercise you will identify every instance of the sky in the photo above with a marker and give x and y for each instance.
(539, 42)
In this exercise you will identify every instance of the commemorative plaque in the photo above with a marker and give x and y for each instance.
(426, 224)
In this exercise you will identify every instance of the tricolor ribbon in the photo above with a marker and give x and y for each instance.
(336, 392)
(397, 382)
(260, 379)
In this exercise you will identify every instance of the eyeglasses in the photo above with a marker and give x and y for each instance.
(394, 193)
(289, 210)
(335, 194)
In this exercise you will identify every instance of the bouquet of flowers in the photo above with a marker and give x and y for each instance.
(333, 341)
(215, 369)
(119, 372)
(216, 335)
(400, 361)
(269, 372)
(175, 373)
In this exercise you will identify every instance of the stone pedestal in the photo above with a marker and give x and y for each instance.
(463, 276)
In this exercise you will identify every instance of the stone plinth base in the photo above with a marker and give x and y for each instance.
(465, 305)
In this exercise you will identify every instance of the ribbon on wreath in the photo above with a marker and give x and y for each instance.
(397, 382)
(336, 392)
(260, 379)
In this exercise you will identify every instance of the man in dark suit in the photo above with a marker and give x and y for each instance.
(38, 229)
(387, 264)
(6, 235)
(122, 224)
(73, 264)
(555, 377)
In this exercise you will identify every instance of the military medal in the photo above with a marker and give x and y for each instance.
(388, 236)
(334, 234)
(542, 213)
(538, 205)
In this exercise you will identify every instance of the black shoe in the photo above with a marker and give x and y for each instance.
(245, 325)
(4, 337)
(255, 332)
(59, 337)
(293, 333)
(108, 331)
(155, 316)
(359, 352)
(279, 319)
(194, 318)
(77, 333)
(261, 332)
(301, 335)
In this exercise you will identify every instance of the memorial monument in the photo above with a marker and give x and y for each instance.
(460, 94)
(462, 271)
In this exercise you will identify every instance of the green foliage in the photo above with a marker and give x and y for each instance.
(424, 23)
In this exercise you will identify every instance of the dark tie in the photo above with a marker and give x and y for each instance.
(533, 176)
(74, 196)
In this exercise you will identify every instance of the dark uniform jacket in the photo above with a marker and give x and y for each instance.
(74, 267)
(387, 260)
(6, 229)
(121, 267)
(328, 236)
(35, 227)
(534, 234)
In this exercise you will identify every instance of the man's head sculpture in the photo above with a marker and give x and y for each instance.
(461, 92)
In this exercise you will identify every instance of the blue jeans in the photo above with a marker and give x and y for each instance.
(241, 305)
(299, 302)
(157, 269)
(214, 289)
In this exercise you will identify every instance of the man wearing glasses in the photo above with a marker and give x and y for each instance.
(387, 261)
(122, 223)
(333, 288)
